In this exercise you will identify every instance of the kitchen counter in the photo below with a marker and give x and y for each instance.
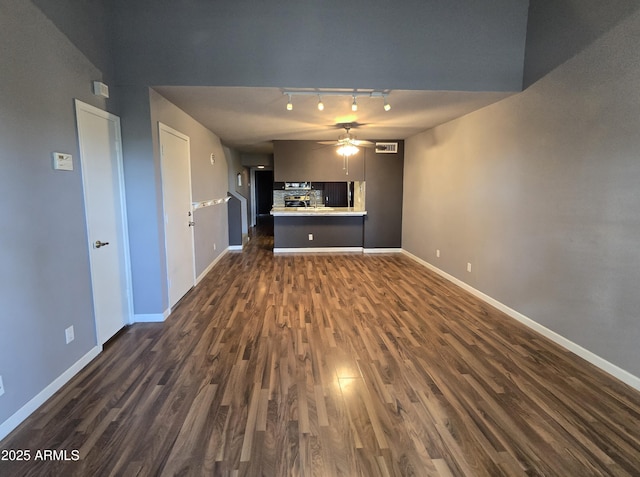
(317, 229)
(319, 211)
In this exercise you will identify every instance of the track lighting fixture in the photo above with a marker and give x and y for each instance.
(336, 92)
(387, 106)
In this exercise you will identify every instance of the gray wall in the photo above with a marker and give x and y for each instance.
(408, 44)
(559, 29)
(44, 263)
(235, 167)
(88, 25)
(383, 201)
(144, 203)
(297, 161)
(540, 192)
(255, 159)
(207, 181)
(141, 110)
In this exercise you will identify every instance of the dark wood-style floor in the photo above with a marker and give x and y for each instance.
(334, 365)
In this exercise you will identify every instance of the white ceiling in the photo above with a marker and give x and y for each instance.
(248, 119)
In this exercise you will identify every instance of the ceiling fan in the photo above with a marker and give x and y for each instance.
(347, 143)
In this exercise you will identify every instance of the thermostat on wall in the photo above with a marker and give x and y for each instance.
(62, 162)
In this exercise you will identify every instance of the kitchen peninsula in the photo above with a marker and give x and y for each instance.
(310, 216)
(318, 228)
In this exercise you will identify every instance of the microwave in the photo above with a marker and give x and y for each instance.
(297, 186)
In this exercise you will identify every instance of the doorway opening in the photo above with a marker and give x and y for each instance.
(264, 198)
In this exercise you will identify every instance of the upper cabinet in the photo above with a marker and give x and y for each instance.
(310, 161)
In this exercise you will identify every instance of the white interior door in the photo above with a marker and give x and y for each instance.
(101, 159)
(178, 214)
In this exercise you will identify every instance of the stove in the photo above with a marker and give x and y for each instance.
(296, 200)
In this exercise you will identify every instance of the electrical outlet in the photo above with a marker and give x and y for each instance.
(310, 236)
(468, 266)
(69, 334)
(1, 387)
(438, 252)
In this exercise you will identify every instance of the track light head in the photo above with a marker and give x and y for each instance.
(387, 106)
(354, 105)
(289, 104)
(320, 103)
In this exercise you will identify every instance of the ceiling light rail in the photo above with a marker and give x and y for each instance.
(323, 93)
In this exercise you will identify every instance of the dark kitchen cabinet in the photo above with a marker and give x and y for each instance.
(335, 194)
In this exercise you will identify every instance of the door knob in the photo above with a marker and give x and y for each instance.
(99, 244)
(191, 224)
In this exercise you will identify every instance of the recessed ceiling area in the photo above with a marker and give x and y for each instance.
(248, 119)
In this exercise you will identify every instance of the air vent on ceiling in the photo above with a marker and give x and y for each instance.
(386, 148)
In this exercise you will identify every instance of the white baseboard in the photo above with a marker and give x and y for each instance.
(610, 368)
(234, 248)
(318, 250)
(25, 411)
(213, 264)
(151, 317)
(382, 250)
(161, 317)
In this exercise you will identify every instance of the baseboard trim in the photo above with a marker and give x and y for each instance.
(151, 317)
(25, 411)
(382, 250)
(610, 368)
(318, 250)
(212, 264)
(234, 248)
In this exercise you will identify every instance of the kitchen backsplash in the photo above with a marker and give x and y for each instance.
(278, 195)
(358, 195)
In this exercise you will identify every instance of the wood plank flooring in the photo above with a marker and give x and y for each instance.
(333, 365)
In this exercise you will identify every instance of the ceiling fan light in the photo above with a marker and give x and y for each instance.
(347, 150)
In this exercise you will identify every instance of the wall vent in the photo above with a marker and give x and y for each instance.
(386, 148)
(100, 89)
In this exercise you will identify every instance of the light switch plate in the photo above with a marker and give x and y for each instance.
(62, 161)
(1, 386)
(69, 334)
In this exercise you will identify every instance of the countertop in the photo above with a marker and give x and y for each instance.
(319, 211)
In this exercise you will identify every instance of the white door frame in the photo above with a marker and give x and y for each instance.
(253, 213)
(170, 130)
(124, 237)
